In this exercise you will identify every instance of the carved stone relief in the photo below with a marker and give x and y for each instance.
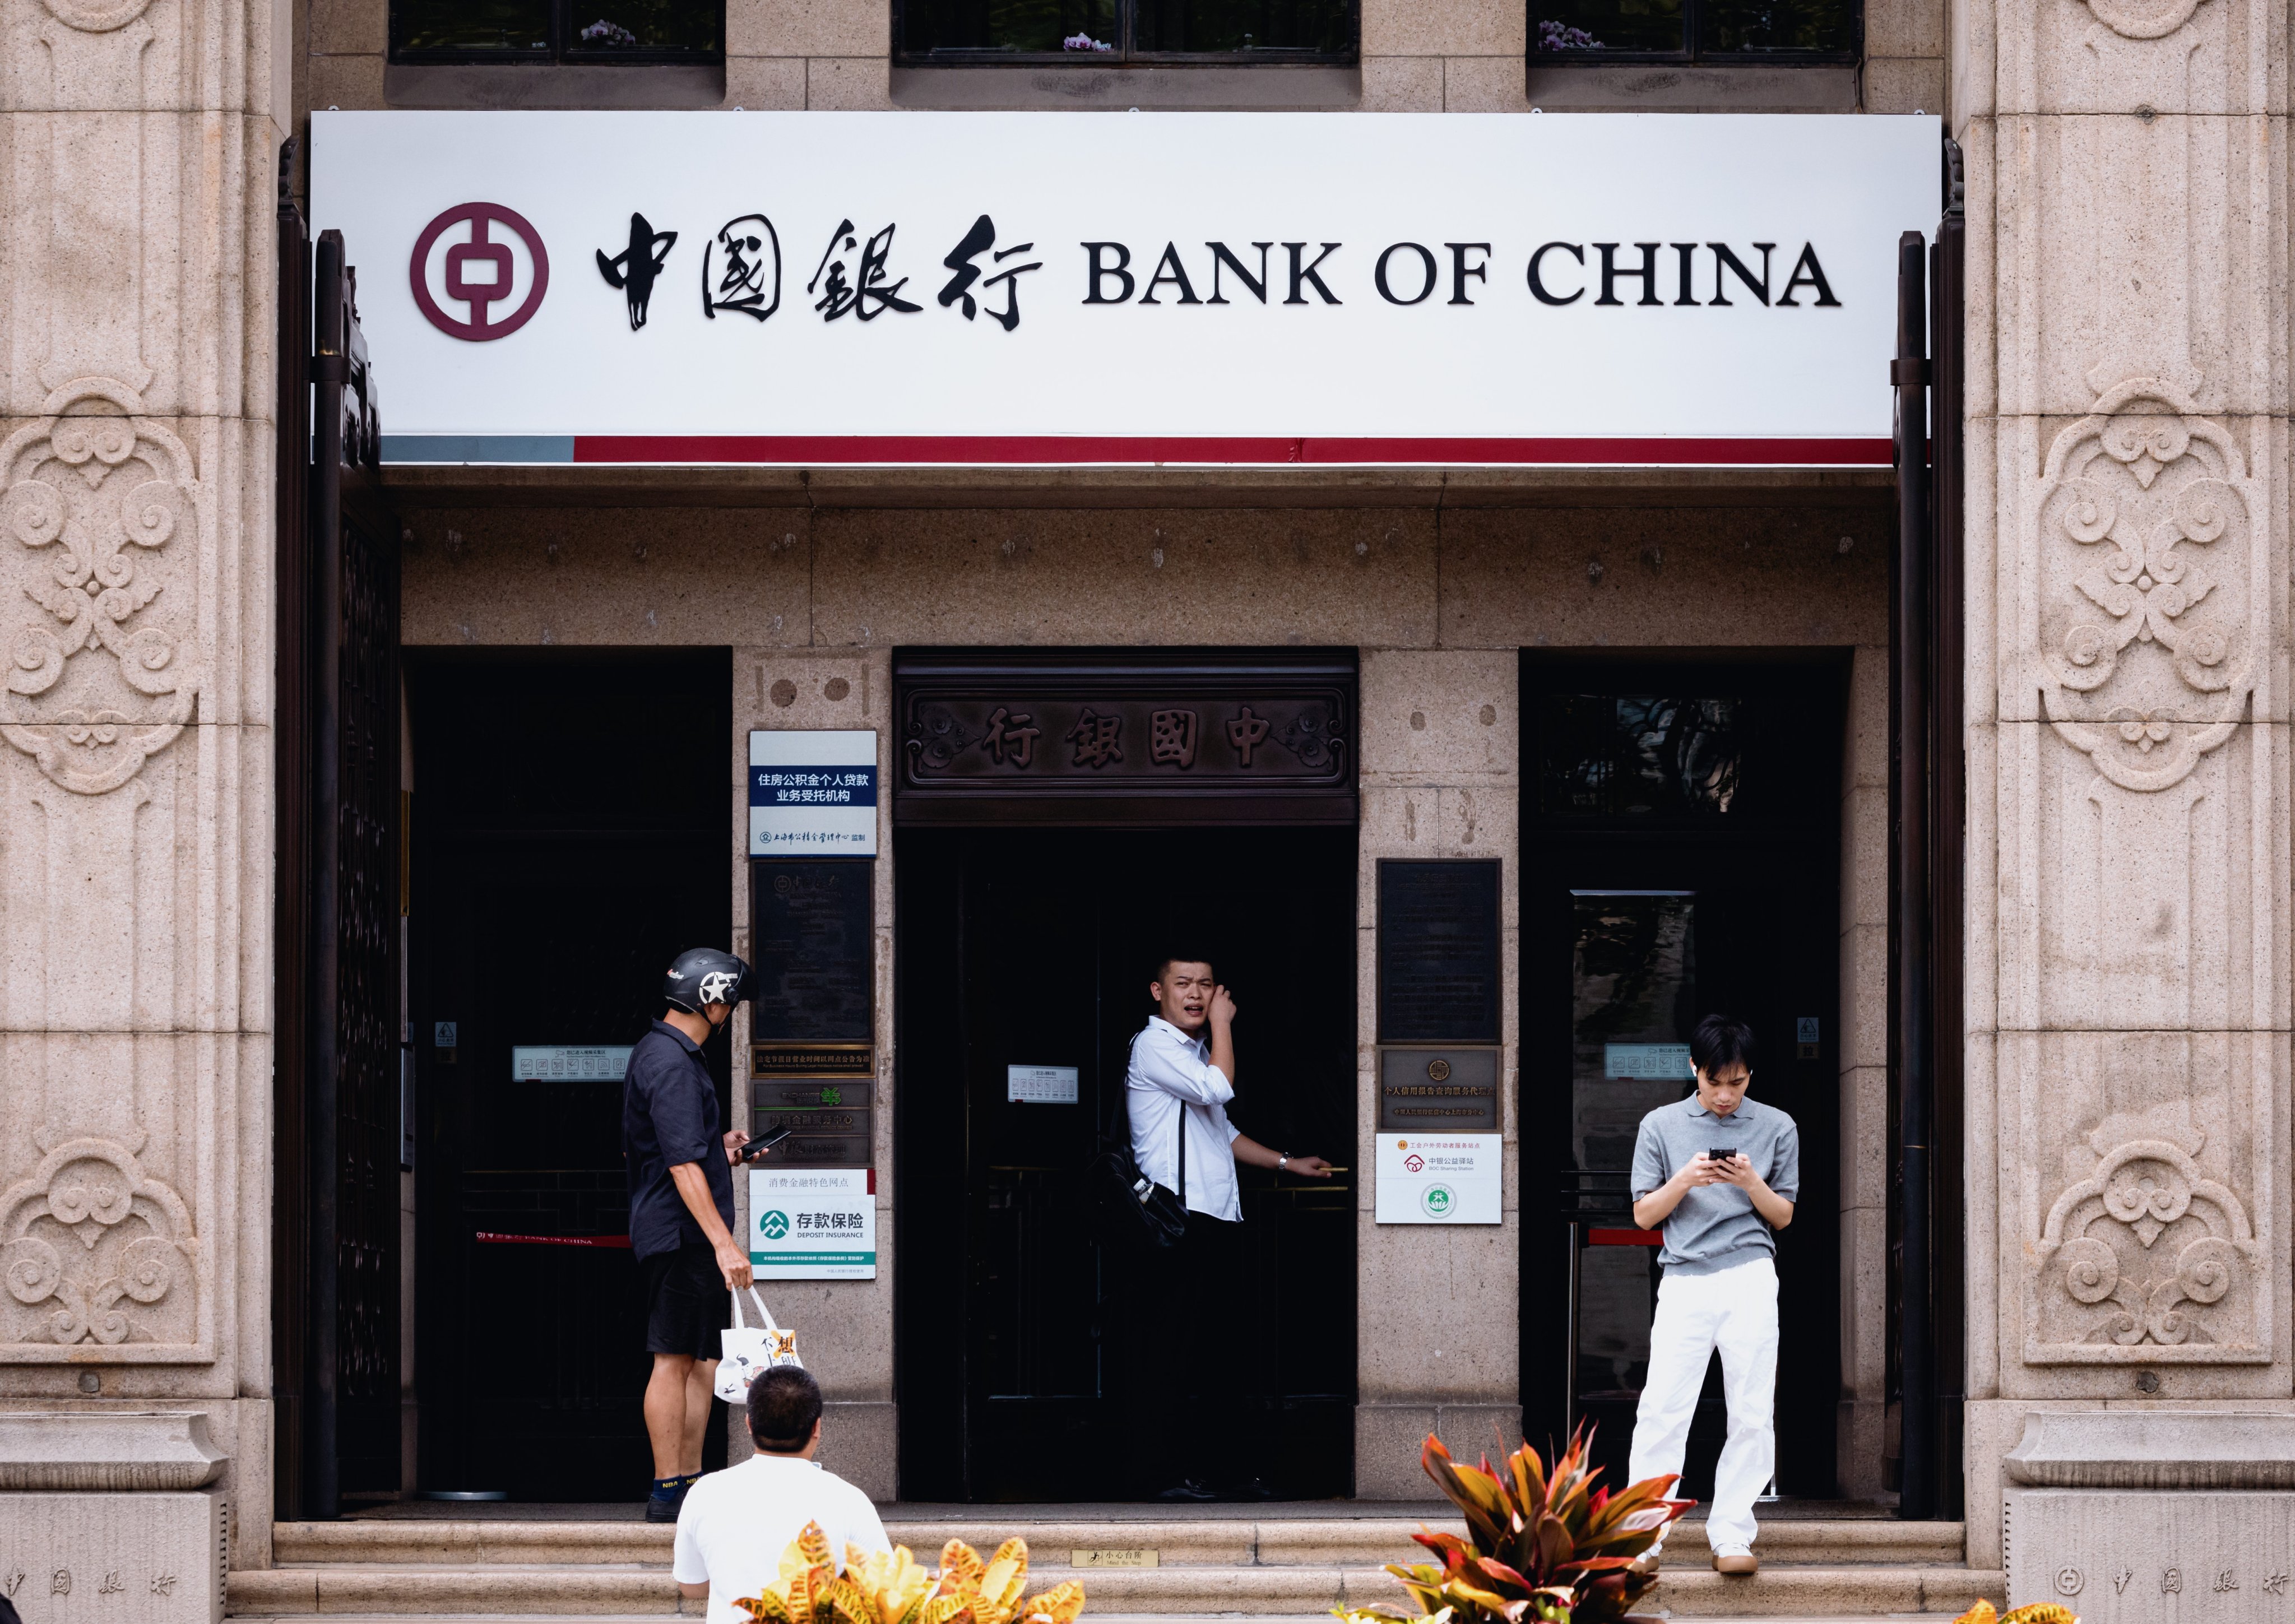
(2149, 1259)
(98, 551)
(93, 1251)
(2140, 18)
(2154, 586)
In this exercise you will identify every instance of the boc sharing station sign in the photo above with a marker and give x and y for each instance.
(911, 288)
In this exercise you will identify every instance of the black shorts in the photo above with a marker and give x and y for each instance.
(685, 1301)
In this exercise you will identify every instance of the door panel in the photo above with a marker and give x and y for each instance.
(1036, 949)
(1680, 857)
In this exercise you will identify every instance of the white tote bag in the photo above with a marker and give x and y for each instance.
(749, 1349)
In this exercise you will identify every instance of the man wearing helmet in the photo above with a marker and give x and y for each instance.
(680, 1173)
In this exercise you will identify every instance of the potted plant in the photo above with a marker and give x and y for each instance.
(880, 1588)
(1541, 1544)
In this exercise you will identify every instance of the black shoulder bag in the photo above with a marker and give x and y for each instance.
(1133, 1210)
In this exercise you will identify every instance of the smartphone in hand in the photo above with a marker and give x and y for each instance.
(758, 1147)
(1722, 1154)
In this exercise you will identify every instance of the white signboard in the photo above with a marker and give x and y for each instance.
(813, 793)
(908, 288)
(813, 1223)
(1650, 1062)
(563, 1063)
(1040, 1085)
(1440, 1178)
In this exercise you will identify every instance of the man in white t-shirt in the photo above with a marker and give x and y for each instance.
(1180, 1081)
(735, 1523)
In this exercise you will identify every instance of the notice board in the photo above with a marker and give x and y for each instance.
(1440, 976)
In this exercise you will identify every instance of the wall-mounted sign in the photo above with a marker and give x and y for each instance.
(779, 1058)
(566, 1063)
(916, 287)
(1440, 1178)
(1040, 1085)
(813, 1224)
(1438, 1090)
(1439, 972)
(1647, 1062)
(1081, 737)
(813, 793)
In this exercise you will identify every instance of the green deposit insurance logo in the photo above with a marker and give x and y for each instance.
(1438, 1200)
(773, 1226)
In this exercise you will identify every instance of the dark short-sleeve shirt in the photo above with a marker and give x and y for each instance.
(669, 1116)
(1716, 1227)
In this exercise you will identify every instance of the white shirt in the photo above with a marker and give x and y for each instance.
(1170, 1072)
(735, 1524)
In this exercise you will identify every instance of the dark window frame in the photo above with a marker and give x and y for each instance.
(1696, 49)
(1126, 53)
(560, 52)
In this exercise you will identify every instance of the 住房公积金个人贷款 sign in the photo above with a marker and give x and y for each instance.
(906, 287)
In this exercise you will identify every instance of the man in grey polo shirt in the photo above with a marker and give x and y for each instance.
(1718, 1173)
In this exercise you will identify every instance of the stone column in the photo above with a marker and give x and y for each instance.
(135, 530)
(2128, 880)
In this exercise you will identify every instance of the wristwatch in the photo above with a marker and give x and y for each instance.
(1282, 1160)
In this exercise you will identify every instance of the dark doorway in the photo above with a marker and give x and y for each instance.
(1019, 1337)
(1680, 854)
(572, 825)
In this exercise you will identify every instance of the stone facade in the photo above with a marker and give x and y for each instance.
(2127, 886)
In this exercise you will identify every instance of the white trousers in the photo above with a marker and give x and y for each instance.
(1735, 1311)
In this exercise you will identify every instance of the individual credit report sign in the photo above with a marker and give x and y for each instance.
(1002, 288)
(1440, 1178)
(813, 794)
(813, 1223)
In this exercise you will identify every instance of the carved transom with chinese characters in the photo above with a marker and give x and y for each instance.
(2155, 584)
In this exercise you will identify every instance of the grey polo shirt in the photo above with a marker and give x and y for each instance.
(1716, 1227)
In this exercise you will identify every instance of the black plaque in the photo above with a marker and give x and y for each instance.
(812, 928)
(1438, 1090)
(1121, 737)
(1439, 972)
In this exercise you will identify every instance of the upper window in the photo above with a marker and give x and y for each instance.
(558, 31)
(1125, 30)
(1777, 32)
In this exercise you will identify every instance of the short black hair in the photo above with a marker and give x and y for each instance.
(1719, 1040)
(1184, 953)
(784, 1402)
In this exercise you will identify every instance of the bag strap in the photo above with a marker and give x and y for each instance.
(757, 1302)
(1183, 1154)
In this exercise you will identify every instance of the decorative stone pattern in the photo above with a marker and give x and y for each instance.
(2157, 585)
(94, 682)
(93, 1251)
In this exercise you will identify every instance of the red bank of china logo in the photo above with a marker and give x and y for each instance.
(488, 254)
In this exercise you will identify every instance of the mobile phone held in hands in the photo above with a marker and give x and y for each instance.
(1720, 1153)
(757, 1147)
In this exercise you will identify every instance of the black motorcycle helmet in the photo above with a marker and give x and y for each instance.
(704, 975)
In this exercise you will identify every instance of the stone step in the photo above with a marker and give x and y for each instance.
(500, 1589)
(1226, 1542)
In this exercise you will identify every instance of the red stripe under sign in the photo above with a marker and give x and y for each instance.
(1624, 1238)
(615, 1242)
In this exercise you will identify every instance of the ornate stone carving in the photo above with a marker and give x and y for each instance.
(2148, 1259)
(96, 677)
(84, 1241)
(2130, 19)
(2154, 586)
(97, 16)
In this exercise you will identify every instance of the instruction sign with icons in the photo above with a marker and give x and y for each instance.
(1440, 1178)
(813, 1223)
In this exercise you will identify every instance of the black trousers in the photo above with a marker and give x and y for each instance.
(1198, 1404)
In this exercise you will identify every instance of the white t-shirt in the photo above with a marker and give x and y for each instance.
(735, 1524)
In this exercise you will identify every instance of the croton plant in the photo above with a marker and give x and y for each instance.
(878, 1588)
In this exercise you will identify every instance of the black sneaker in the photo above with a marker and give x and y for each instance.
(658, 1510)
(1187, 1489)
(1256, 1488)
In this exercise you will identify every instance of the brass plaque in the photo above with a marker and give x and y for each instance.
(1111, 1557)
(1430, 1090)
(796, 1057)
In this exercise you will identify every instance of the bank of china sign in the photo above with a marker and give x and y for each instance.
(1095, 287)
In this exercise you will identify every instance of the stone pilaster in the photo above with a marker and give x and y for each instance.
(136, 534)
(2127, 722)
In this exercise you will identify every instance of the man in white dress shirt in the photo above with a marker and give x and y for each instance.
(1180, 1080)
